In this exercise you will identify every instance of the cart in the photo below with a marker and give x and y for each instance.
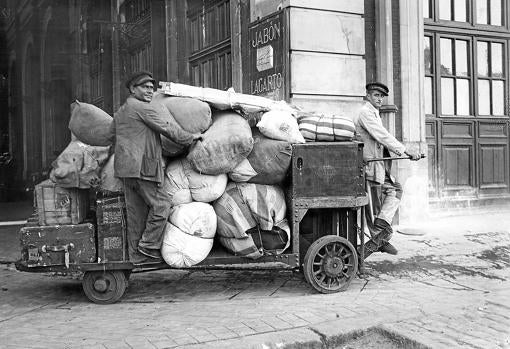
(325, 193)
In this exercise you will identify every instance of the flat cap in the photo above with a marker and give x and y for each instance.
(139, 78)
(378, 87)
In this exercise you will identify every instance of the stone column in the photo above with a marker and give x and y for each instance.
(384, 59)
(413, 175)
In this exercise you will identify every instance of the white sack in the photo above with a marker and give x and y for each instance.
(187, 185)
(181, 250)
(189, 235)
(196, 218)
(280, 125)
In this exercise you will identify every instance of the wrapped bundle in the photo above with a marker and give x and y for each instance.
(79, 165)
(249, 213)
(186, 185)
(326, 128)
(90, 124)
(280, 125)
(224, 100)
(189, 235)
(225, 144)
(110, 183)
(191, 114)
(267, 163)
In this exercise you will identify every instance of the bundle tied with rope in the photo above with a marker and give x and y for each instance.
(252, 220)
(325, 128)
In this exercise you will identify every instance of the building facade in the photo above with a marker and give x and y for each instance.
(444, 61)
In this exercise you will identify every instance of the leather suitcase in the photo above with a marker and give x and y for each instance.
(58, 245)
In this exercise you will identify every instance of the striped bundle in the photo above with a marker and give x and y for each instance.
(245, 206)
(325, 128)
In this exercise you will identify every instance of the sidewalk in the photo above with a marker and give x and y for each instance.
(446, 289)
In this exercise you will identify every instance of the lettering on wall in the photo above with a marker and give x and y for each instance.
(267, 71)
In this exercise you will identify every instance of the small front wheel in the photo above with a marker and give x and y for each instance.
(104, 287)
(330, 264)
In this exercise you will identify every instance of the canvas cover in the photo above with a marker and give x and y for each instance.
(79, 165)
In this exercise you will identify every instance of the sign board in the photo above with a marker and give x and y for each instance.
(267, 73)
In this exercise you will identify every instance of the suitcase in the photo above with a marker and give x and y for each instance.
(56, 205)
(58, 245)
(111, 229)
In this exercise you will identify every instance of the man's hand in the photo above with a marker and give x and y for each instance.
(415, 156)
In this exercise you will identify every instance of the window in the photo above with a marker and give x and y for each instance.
(490, 78)
(429, 76)
(453, 10)
(209, 43)
(489, 12)
(454, 77)
(475, 12)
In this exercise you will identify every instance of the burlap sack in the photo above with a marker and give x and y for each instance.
(90, 124)
(191, 114)
(225, 144)
(267, 163)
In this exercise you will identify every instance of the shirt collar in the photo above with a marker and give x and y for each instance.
(371, 107)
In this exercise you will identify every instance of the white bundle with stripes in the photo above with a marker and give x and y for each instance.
(325, 128)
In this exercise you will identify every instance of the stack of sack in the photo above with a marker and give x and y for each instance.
(234, 172)
(91, 126)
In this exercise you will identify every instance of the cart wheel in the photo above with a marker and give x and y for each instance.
(104, 287)
(330, 264)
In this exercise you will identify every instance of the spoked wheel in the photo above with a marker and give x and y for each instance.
(330, 264)
(104, 287)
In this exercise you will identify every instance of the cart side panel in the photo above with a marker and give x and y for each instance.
(333, 169)
(58, 245)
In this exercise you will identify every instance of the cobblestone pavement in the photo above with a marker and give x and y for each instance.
(449, 288)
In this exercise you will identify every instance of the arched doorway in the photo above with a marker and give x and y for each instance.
(31, 117)
(56, 91)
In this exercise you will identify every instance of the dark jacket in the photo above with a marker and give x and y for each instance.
(137, 127)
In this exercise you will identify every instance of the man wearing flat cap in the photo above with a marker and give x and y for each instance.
(137, 126)
(382, 187)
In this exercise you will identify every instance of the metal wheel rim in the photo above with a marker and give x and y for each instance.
(337, 277)
(114, 284)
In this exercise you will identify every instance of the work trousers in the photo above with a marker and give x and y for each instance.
(384, 200)
(148, 207)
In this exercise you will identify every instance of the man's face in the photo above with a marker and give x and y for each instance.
(143, 92)
(375, 98)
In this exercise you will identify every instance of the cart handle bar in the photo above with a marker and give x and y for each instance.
(422, 156)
